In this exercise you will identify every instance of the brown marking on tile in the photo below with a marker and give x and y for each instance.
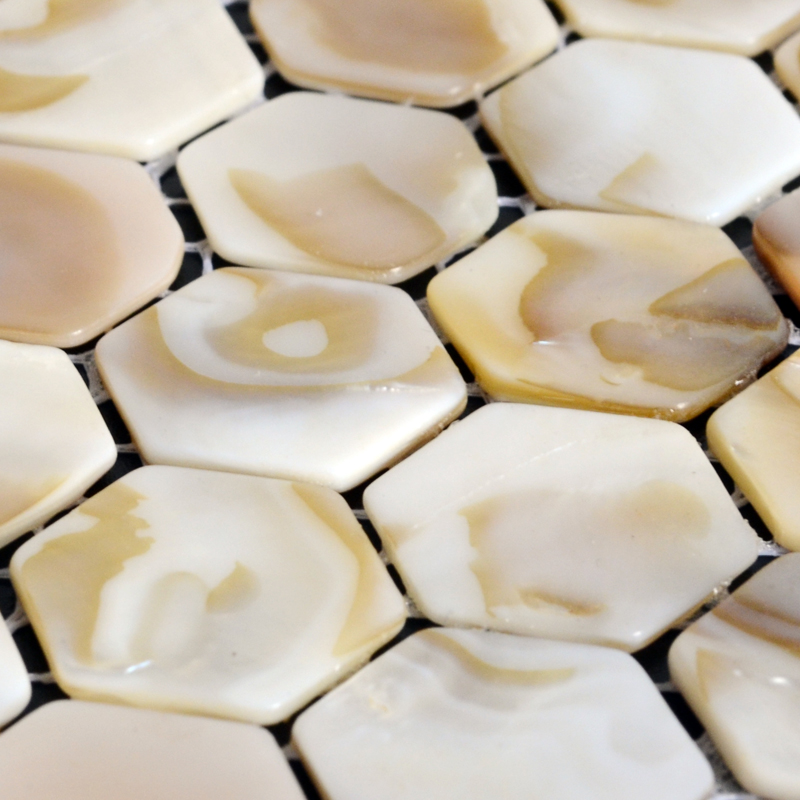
(19, 93)
(234, 592)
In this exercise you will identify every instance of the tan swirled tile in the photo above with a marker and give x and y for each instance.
(291, 376)
(339, 186)
(756, 436)
(619, 313)
(429, 52)
(131, 78)
(449, 714)
(776, 237)
(85, 241)
(15, 686)
(190, 590)
(95, 750)
(739, 668)
(53, 442)
(560, 523)
(747, 27)
(646, 129)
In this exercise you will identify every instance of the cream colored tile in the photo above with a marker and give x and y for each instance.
(560, 523)
(342, 187)
(787, 64)
(776, 237)
(15, 687)
(205, 592)
(429, 52)
(619, 313)
(131, 78)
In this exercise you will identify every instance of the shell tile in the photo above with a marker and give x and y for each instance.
(776, 237)
(739, 668)
(631, 127)
(93, 750)
(339, 186)
(211, 593)
(467, 715)
(54, 443)
(620, 313)
(15, 686)
(130, 78)
(227, 373)
(428, 52)
(560, 523)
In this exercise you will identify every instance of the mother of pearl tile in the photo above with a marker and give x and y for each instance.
(206, 592)
(620, 313)
(746, 27)
(739, 668)
(202, 380)
(85, 241)
(53, 442)
(641, 128)
(128, 77)
(72, 750)
(338, 186)
(467, 715)
(776, 237)
(560, 523)
(428, 52)
(787, 63)
(756, 436)
(15, 687)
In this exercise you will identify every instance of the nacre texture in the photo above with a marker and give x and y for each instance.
(206, 592)
(339, 186)
(428, 52)
(646, 129)
(54, 443)
(787, 63)
(756, 437)
(15, 686)
(739, 668)
(776, 237)
(130, 78)
(85, 241)
(468, 715)
(87, 751)
(292, 376)
(746, 27)
(560, 523)
(619, 313)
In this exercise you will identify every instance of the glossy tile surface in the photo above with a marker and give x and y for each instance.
(645, 129)
(787, 63)
(131, 78)
(87, 751)
(746, 27)
(756, 436)
(619, 313)
(15, 687)
(54, 443)
(739, 668)
(210, 593)
(428, 52)
(560, 523)
(85, 241)
(467, 715)
(292, 376)
(776, 237)
(342, 187)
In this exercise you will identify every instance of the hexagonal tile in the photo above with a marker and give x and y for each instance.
(787, 63)
(429, 53)
(206, 592)
(292, 376)
(15, 686)
(84, 241)
(619, 313)
(338, 186)
(739, 668)
(746, 28)
(756, 436)
(53, 442)
(452, 714)
(560, 523)
(123, 77)
(776, 237)
(646, 129)
(75, 751)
